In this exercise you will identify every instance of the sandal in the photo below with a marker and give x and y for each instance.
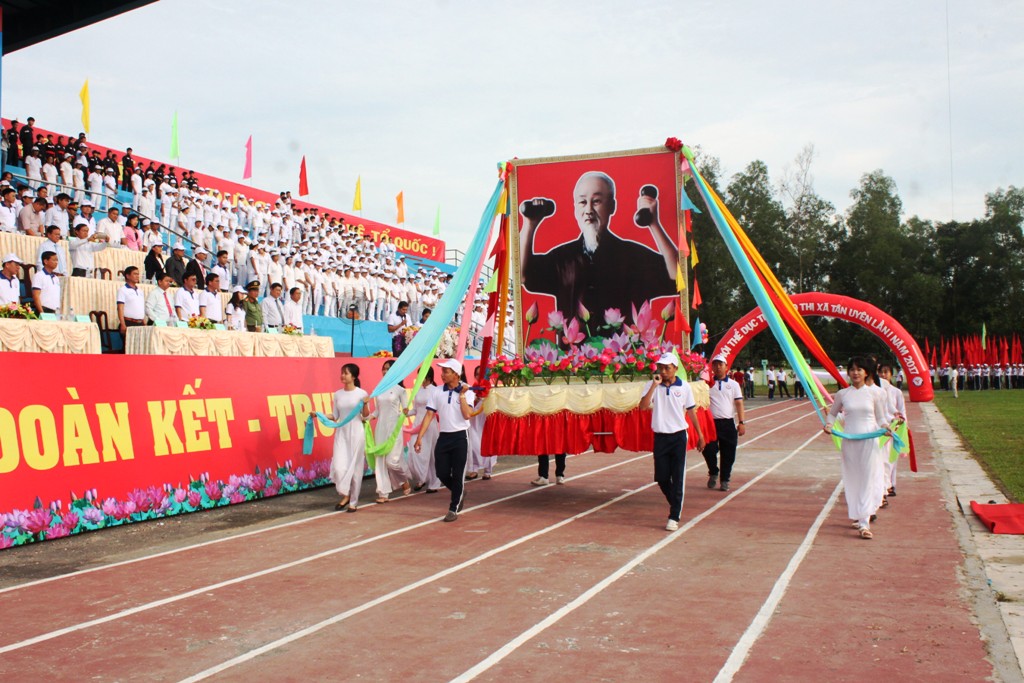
(486, 476)
(885, 502)
(866, 534)
(343, 503)
(855, 525)
(352, 508)
(406, 489)
(472, 475)
(381, 499)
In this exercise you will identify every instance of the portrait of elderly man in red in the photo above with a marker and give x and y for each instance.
(613, 249)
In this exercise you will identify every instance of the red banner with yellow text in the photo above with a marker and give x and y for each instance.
(92, 442)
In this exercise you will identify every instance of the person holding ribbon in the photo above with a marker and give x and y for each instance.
(389, 470)
(349, 458)
(864, 411)
(421, 465)
(453, 404)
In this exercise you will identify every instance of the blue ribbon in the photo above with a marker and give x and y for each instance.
(896, 440)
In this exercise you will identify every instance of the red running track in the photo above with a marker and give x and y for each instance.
(766, 582)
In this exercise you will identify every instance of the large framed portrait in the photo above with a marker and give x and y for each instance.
(596, 243)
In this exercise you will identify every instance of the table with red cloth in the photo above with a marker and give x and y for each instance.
(571, 418)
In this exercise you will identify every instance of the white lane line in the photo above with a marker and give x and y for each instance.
(377, 601)
(517, 642)
(765, 405)
(277, 568)
(215, 541)
(742, 648)
(767, 415)
(309, 630)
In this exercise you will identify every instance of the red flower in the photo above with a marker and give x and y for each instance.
(674, 144)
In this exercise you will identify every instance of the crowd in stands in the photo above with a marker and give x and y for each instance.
(189, 234)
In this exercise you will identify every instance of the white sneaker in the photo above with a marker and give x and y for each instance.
(540, 481)
(672, 525)
(559, 480)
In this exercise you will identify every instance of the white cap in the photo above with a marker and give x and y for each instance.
(179, 245)
(200, 250)
(12, 257)
(668, 359)
(451, 364)
(719, 358)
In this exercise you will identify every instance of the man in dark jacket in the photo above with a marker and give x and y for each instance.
(197, 266)
(175, 266)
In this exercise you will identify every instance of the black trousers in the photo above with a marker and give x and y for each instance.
(783, 390)
(798, 389)
(670, 469)
(542, 465)
(450, 463)
(771, 391)
(724, 445)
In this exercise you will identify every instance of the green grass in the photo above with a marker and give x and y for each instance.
(991, 423)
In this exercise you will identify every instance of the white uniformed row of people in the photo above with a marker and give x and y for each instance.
(980, 377)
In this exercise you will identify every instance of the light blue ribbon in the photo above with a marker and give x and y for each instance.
(431, 332)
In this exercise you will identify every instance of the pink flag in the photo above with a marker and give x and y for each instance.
(247, 173)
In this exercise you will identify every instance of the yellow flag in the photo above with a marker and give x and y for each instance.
(401, 208)
(680, 280)
(357, 202)
(693, 255)
(84, 96)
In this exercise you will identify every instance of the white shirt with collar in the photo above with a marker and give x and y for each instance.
(293, 314)
(724, 394)
(49, 286)
(134, 302)
(446, 403)
(82, 251)
(57, 248)
(160, 306)
(273, 312)
(8, 218)
(214, 309)
(669, 406)
(10, 290)
(188, 302)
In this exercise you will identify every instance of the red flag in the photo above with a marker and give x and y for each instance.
(247, 172)
(688, 219)
(303, 181)
(697, 301)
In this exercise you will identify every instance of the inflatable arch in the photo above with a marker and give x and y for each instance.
(871, 318)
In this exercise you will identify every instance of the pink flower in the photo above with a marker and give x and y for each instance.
(92, 515)
(195, 499)
(669, 312)
(573, 335)
(38, 520)
(180, 495)
(641, 365)
(109, 507)
(213, 491)
(5, 542)
(582, 313)
(237, 498)
(532, 313)
(613, 317)
(58, 531)
(644, 324)
(70, 520)
(556, 320)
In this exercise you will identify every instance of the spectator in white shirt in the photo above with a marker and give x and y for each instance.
(293, 308)
(46, 285)
(186, 301)
(83, 248)
(273, 308)
(58, 214)
(158, 303)
(8, 210)
(111, 227)
(10, 285)
(131, 302)
(30, 218)
(52, 243)
(210, 298)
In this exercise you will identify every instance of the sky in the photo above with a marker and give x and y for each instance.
(425, 97)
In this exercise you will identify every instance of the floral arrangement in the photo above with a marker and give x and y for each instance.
(674, 144)
(626, 353)
(91, 512)
(383, 353)
(199, 322)
(409, 332)
(15, 310)
(292, 330)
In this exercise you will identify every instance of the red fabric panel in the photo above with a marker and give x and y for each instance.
(566, 432)
(1001, 519)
